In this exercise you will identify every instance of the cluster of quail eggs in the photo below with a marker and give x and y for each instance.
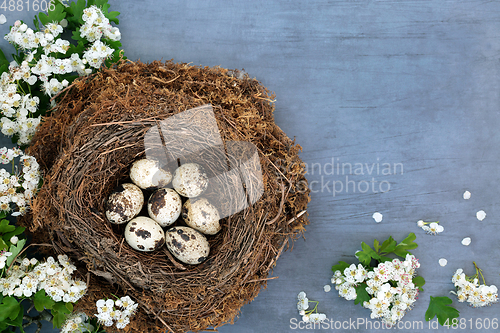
(164, 207)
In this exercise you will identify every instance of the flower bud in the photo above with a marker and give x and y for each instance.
(14, 240)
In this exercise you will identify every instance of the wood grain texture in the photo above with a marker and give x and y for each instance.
(414, 83)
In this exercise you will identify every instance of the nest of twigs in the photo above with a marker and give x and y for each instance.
(85, 149)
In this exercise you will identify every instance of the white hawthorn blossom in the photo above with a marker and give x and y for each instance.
(77, 323)
(27, 277)
(308, 315)
(19, 108)
(432, 228)
(468, 289)
(116, 312)
(389, 285)
(17, 188)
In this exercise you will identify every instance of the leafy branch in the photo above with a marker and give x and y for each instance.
(380, 251)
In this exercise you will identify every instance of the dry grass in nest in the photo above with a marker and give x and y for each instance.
(85, 149)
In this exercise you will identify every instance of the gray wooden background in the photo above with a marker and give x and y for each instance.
(405, 92)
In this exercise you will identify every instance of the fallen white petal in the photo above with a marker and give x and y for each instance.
(481, 215)
(377, 217)
(466, 195)
(327, 288)
(3, 19)
(443, 262)
(466, 241)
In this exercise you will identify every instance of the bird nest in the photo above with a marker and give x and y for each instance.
(85, 149)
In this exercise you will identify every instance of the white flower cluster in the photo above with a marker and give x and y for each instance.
(389, 285)
(97, 26)
(433, 228)
(17, 107)
(3, 258)
(308, 316)
(26, 277)
(469, 289)
(118, 311)
(18, 187)
(77, 323)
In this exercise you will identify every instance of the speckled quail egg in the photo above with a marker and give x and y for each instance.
(187, 245)
(148, 175)
(201, 215)
(190, 180)
(164, 206)
(124, 203)
(144, 234)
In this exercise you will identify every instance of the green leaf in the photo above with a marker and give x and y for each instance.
(103, 4)
(113, 59)
(419, 282)
(17, 231)
(69, 306)
(58, 14)
(4, 68)
(76, 11)
(9, 308)
(388, 245)
(3, 61)
(36, 23)
(42, 301)
(60, 313)
(111, 16)
(63, 307)
(43, 18)
(341, 266)
(369, 251)
(366, 254)
(55, 15)
(18, 321)
(361, 294)
(384, 259)
(376, 245)
(15, 249)
(363, 257)
(3, 245)
(440, 307)
(114, 44)
(76, 36)
(79, 48)
(6, 227)
(401, 252)
(408, 241)
(405, 245)
(58, 319)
